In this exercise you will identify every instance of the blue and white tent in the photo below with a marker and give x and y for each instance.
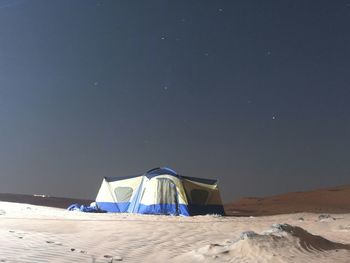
(160, 191)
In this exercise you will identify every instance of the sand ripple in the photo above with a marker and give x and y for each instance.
(31, 234)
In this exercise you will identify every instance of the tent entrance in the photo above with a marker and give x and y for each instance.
(167, 196)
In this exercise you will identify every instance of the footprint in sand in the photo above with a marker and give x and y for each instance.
(14, 232)
(80, 251)
(112, 259)
(20, 235)
(325, 218)
(53, 242)
(346, 228)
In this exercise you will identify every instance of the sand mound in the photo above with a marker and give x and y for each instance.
(281, 243)
(305, 241)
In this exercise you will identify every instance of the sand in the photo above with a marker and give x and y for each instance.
(31, 233)
(327, 200)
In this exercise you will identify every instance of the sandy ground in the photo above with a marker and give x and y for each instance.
(31, 233)
(326, 200)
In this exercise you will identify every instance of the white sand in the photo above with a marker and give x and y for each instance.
(39, 234)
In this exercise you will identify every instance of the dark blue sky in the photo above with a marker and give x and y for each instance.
(254, 93)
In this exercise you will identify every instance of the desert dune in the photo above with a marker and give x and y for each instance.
(30, 233)
(327, 200)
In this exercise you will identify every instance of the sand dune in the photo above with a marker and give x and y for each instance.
(31, 233)
(328, 200)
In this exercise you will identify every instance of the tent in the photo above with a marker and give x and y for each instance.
(160, 191)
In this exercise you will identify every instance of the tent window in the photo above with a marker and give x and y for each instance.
(123, 194)
(199, 197)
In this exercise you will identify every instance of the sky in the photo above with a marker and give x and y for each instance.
(253, 93)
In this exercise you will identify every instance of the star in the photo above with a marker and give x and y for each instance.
(274, 117)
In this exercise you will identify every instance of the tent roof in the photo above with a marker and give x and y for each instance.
(118, 178)
(160, 171)
(166, 170)
(201, 180)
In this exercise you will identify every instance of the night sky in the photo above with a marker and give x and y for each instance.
(253, 93)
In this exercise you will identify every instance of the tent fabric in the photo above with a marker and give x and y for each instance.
(160, 191)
